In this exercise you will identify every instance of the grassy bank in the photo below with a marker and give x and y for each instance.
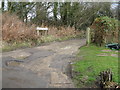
(92, 63)
(44, 39)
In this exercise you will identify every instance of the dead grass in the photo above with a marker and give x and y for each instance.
(16, 34)
(63, 31)
(14, 30)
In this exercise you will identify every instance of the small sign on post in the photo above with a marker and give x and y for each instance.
(41, 29)
(88, 36)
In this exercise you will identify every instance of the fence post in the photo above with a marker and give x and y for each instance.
(88, 36)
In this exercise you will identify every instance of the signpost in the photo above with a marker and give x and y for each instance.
(39, 29)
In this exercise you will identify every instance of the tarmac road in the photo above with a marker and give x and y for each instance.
(40, 67)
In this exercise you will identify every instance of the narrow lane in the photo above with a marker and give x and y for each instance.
(40, 67)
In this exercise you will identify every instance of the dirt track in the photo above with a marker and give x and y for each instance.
(40, 67)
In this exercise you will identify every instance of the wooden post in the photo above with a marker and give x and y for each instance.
(88, 36)
(38, 33)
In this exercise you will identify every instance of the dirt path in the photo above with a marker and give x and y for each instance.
(40, 67)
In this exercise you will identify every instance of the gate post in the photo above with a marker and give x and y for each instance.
(88, 36)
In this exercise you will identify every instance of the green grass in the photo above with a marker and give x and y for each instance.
(91, 65)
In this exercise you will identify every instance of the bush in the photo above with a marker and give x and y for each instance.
(15, 33)
(59, 32)
(105, 30)
(14, 30)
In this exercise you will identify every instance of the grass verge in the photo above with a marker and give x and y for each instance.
(91, 65)
(14, 46)
(43, 39)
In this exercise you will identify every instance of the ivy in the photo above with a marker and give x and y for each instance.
(106, 22)
(105, 30)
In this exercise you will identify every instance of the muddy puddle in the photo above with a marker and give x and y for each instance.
(13, 62)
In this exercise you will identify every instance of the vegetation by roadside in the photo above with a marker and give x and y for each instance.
(105, 30)
(44, 39)
(94, 60)
(16, 34)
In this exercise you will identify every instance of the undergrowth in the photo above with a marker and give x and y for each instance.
(16, 34)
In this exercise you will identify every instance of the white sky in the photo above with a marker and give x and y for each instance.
(114, 5)
(0, 4)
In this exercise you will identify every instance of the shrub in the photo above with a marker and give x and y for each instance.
(105, 30)
(15, 33)
(14, 30)
(63, 31)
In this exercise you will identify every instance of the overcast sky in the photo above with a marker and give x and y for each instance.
(0, 4)
(51, 14)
